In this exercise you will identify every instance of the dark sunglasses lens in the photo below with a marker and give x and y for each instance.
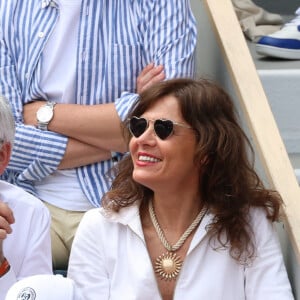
(137, 126)
(163, 128)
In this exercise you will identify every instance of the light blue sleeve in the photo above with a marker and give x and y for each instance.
(169, 35)
(36, 153)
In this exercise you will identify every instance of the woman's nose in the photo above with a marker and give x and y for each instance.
(148, 135)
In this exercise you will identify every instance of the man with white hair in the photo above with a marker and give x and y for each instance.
(25, 245)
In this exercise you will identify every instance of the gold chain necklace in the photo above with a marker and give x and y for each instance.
(168, 265)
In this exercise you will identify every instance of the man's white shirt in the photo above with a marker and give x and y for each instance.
(28, 247)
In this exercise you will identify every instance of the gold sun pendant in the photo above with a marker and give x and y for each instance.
(168, 265)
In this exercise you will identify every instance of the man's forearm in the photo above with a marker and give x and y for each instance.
(80, 154)
(96, 125)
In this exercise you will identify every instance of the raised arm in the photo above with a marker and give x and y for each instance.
(98, 126)
(167, 33)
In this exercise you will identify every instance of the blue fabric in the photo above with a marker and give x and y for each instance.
(117, 39)
(280, 43)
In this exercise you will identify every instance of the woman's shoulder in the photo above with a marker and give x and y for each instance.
(261, 225)
(102, 216)
(258, 214)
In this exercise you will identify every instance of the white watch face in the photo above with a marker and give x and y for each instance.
(44, 114)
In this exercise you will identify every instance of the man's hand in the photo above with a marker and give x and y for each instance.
(6, 219)
(149, 75)
(78, 122)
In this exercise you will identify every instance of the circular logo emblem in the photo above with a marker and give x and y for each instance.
(26, 294)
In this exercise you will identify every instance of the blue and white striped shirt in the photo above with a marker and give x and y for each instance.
(116, 40)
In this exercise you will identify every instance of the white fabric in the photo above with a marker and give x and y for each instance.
(70, 195)
(28, 247)
(43, 287)
(295, 21)
(254, 20)
(58, 83)
(109, 260)
(59, 56)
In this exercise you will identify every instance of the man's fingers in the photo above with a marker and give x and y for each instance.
(4, 233)
(146, 69)
(5, 228)
(6, 219)
(150, 74)
(153, 80)
(6, 213)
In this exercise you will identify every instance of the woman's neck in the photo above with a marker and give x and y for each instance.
(176, 212)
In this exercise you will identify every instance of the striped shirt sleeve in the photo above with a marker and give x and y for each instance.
(169, 35)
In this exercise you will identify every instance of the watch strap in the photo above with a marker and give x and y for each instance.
(42, 126)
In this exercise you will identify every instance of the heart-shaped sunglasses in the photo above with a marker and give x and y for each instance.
(163, 128)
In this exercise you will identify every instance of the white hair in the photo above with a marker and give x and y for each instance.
(7, 123)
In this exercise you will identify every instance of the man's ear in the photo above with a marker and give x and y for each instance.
(5, 153)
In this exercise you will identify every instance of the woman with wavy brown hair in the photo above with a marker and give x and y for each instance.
(187, 217)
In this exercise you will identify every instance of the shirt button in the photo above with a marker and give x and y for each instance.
(44, 4)
(41, 34)
(27, 75)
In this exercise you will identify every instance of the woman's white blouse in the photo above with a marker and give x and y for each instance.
(109, 260)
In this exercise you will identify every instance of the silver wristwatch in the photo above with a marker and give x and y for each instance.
(45, 114)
